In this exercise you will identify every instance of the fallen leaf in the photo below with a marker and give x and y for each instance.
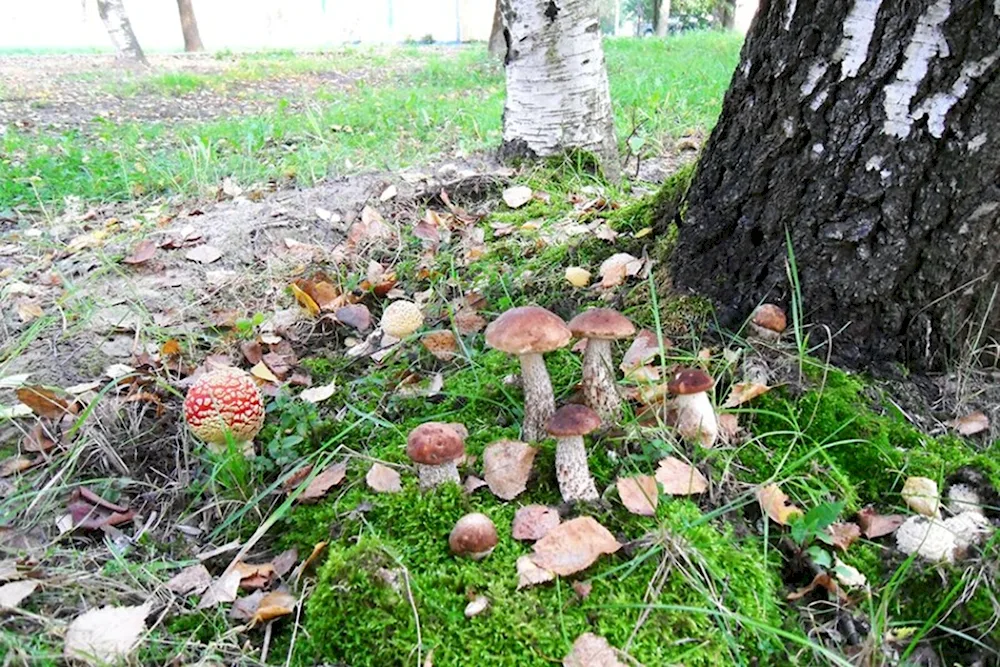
(574, 546)
(15, 464)
(223, 589)
(45, 402)
(478, 605)
(843, 534)
(317, 551)
(922, 496)
(284, 562)
(254, 576)
(105, 635)
(319, 394)
(741, 392)
(729, 427)
(582, 588)
(644, 348)
(143, 252)
(442, 344)
(874, 525)
(472, 483)
(273, 605)
(388, 193)
(192, 580)
(383, 479)
(615, 269)
(323, 482)
(577, 277)
(639, 494)
(13, 594)
(203, 254)
(679, 478)
(507, 466)
(355, 316)
(8, 568)
(590, 650)
(529, 574)
(970, 424)
(260, 370)
(468, 321)
(821, 580)
(848, 575)
(307, 302)
(533, 522)
(245, 607)
(517, 196)
(29, 310)
(776, 505)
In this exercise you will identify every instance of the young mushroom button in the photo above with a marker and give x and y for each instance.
(529, 332)
(435, 448)
(568, 425)
(401, 318)
(474, 536)
(696, 419)
(600, 326)
(223, 404)
(768, 322)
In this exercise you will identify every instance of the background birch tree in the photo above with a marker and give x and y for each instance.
(119, 29)
(189, 26)
(867, 135)
(557, 84)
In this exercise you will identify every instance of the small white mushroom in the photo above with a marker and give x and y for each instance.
(928, 538)
(401, 318)
(969, 528)
(696, 418)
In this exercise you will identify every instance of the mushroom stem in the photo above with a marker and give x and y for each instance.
(572, 471)
(696, 418)
(431, 476)
(539, 401)
(599, 387)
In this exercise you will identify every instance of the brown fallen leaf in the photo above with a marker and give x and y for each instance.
(192, 580)
(143, 252)
(106, 635)
(741, 392)
(273, 605)
(245, 607)
(323, 482)
(533, 522)
(729, 428)
(843, 534)
(90, 511)
(821, 580)
(574, 546)
(970, 424)
(644, 348)
(14, 593)
(46, 402)
(615, 269)
(776, 504)
(582, 588)
(383, 479)
(221, 590)
(529, 574)
(296, 478)
(29, 310)
(317, 551)
(507, 467)
(473, 483)
(203, 254)
(355, 316)
(639, 494)
(680, 479)
(254, 576)
(441, 344)
(15, 464)
(468, 321)
(590, 650)
(874, 525)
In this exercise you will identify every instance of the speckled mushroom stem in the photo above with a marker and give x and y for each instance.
(599, 387)
(539, 401)
(431, 476)
(572, 471)
(696, 418)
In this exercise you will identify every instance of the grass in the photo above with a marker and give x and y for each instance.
(451, 102)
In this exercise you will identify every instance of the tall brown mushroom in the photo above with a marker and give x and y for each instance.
(600, 326)
(695, 415)
(568, 425)
(529, 332)
(435, 448)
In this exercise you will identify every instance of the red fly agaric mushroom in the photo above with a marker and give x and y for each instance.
(600, 326)
(435, 448)
(529, 332)
(474, 536)
(225, 403)
(401, 318)
(568, 425)
(695, 414)
(768, 322)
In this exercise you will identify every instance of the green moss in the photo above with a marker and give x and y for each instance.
(356, 617)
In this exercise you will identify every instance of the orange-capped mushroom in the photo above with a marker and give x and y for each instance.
(224, 401)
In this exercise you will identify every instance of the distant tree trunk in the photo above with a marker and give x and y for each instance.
(662, 17)
(743, 14)
(557, 85)
(498, 42)
(120, 30)
(869, 134)
(189, 26)
(725, 14)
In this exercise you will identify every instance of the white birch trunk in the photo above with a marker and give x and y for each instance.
(557, 85)
(120, 30)
(663, 18)
(743, 15)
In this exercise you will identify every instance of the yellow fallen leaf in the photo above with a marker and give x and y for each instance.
(273, 605)
(304, 299)
(776, 504)
(742, 392)
(264, 373)
(577, 277)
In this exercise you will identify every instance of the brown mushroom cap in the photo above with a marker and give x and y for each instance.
(473, 534)
(434, 443)
(771, 317)
(601, 323)
(527, 330)
(573, 419)
(690, 381)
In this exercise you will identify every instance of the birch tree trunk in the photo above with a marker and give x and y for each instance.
(869, 133)
(120, 30)
(663, 18)
(497, 46)
(189, 26)
(557, 85)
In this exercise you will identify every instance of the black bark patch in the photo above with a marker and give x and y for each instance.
(551, 11)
